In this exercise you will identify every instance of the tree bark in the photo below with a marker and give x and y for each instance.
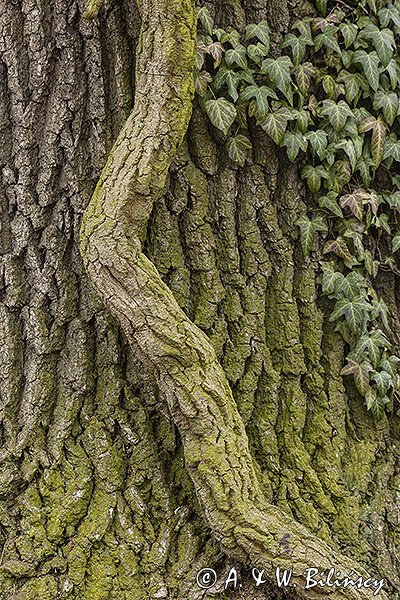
(214, 427)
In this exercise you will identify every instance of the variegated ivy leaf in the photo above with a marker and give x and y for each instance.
(238, 148)
(336, 113)
(206, 20)
(355, 312)
(355, 202)
(308, 228)
(201, 81)
(259, 105)
(294, 142)
(297, 44)
(303, 75)
(330, 203)
(328, 39)
(338, 247)
(382, 40)
(349, 32)
(313, 175)
(221, 113)
(388, 102)
(370, 63)
(279, 71)
(260, 31)
(360, 372)
(275, 124)
(318, 142)
(236, 56)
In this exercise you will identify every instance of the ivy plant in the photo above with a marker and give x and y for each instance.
(331, 101)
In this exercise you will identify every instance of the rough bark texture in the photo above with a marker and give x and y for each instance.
(117, 464)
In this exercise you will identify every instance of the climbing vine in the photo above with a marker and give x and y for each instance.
(329, 95)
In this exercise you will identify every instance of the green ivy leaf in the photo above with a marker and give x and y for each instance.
(370, 64)
(374, 403)
(259, 106)
(318, 142)
(206, 20)
(354, 311)
(238, 148)
(230, 36)
(201, 81)
(349, 32)
(260, 31)
(328, 39)
(383, 382)
(257, 52)
(294, 141)
(389, 103)
(275, 124)
(336, 113)
(236, 56)
(392, 149)
(308, 228)
(298, 46)
(396, 243)
(330, 203)
(221, 113)
(278, 70)
(382, 39)
(313, 175)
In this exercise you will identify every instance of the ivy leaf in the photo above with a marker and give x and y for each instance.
(390, 13)
(382, 39)
(360, 372)
(374, 404)
(338, 247)
(370, 64)
(203, 14)
(318, 142)
(353, 84)
(337, 113)
(298, 46)
(380, 310)
(383, 381)
(236, 56)
(221, 113)
(378, 141)
(260, 31)
(389, 103)
(354, 202)
(354, 311)
(216, 50)
(330, 280)
(396, 243)
(303, 74)
(328, 39)
(294, 141)
(259, 106)
(201, 81)
(278, 70)
(275, 124)
(392, 150)
(256, 52)
(349, 32)
(238, 148)
(329, 202)
(372, 343)
(308, 228)
(313, 175)
(393, 71)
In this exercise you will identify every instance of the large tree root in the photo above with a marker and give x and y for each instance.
(170, 346)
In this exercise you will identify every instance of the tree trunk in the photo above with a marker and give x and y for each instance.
(181, 407)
